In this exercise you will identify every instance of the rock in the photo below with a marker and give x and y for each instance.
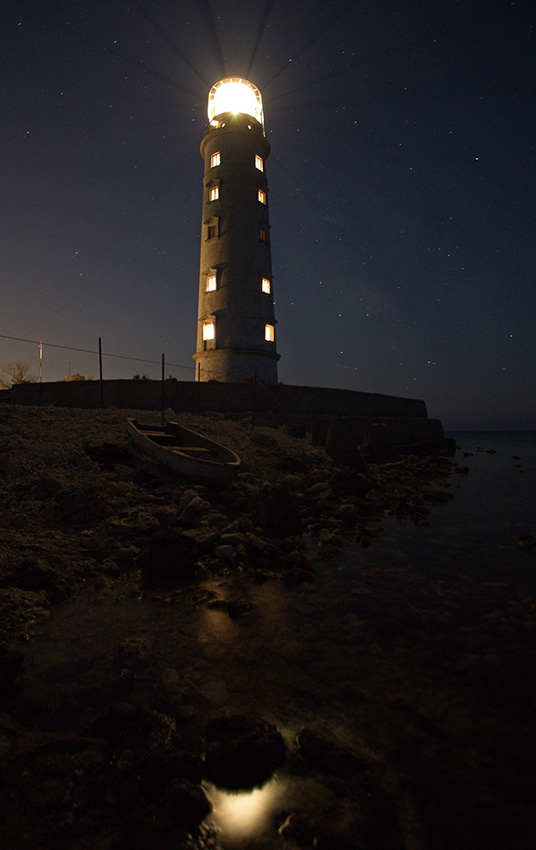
(11, 661)
(19, 521)
(124, 726)
(297, 576)
(134, 522)
(9, 467)
(342, 444)
(324, 750)
(205, 539)
(233, 539)
(10, 730)
(169, 555)
(277, 513)
(136, 646)
(366, 819)
(299, 830)
(161, 767)
(19, 606)
(237, 607)
(193, 510)
(108, 454)
(226, 553)
(35, 574)
(47, 485)
(526, 541)
(187, 803)
(264, 440)
(242, 752)
(166, 515)
(51, 782)
(79, 508)
(349, 483)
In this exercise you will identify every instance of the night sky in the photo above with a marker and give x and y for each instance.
(402, 190)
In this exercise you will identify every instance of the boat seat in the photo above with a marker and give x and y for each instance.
(191, 449)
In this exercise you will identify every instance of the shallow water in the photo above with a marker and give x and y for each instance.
(338, 652)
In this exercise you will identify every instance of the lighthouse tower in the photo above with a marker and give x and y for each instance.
(236, 324)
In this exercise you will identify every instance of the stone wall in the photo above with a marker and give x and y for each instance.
(282, 401)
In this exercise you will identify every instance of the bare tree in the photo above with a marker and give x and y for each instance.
(15, 373)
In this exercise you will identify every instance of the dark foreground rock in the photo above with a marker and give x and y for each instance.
(168, 555)
(242, 752)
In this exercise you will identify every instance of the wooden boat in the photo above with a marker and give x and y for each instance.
(193, 456)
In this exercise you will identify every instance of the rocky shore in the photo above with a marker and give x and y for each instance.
(79, 503)
(81, 508)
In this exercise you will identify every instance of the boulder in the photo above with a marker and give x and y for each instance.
(325, 751)
(187, 803)
(169, 555)
(277, 513)
(242, 752)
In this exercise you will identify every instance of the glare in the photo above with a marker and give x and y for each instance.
(235, 95)
(244, 814)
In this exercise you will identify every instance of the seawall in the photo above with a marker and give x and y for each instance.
(336, 417)
(232, 399)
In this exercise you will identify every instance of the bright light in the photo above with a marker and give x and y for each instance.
(235, 95)
(209, 331)
(245, 814)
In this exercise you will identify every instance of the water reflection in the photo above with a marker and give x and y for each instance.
(244, 815)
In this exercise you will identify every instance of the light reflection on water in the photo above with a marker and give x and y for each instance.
(242, 816)
(319, 652)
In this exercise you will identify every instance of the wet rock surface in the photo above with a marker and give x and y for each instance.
(114, 752)
(242, 752)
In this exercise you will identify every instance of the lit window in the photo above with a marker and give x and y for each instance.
(214, 193)
(209, 331)
(261, 196)
(263, 234)
(259, 162)
(266, 285)
(212, 231)
(269, 333)
(211, 283)
(215, 159)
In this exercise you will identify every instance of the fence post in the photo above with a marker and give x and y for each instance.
(254, 400)
(163, 390)
(100, 374)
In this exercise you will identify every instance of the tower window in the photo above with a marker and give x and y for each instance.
(259, 162)
(214, 193)
(263, 234)
(269, 333)
(211, 283)
(266, 285)
(212, 231)
(209, 331)
(261, 196)
(215, 159)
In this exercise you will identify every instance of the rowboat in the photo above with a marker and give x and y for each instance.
(192, 455)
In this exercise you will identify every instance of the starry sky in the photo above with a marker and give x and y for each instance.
(402, 190)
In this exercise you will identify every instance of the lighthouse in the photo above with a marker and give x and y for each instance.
(236, 338)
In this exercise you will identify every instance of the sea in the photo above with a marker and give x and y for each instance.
(382, 648)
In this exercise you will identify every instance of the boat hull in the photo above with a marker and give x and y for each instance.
(191, 455)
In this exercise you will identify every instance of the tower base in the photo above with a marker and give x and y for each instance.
(233, 366)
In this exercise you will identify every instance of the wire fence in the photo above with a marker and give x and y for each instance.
(195, 372)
